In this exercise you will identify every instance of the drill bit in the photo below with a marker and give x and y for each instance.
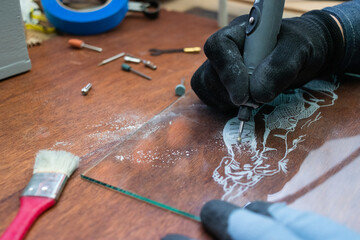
(147, 63)
(77, 43)
(111, 58)
(244, 115)
(127, 68)
(241, 128)
(180, 89)
(132, 59)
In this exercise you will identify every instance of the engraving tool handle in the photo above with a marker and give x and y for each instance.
(261, 36)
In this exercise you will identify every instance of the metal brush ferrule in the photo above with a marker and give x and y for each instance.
(47, 185)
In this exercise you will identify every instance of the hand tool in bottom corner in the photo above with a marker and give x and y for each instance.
(261, 36)
(127, 68)
(77, 43)
(51, 171)
(157, 52)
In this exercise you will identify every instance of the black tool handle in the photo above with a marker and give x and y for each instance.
(261, 36)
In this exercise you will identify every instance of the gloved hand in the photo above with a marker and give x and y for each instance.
(266, 221)
(307, 46)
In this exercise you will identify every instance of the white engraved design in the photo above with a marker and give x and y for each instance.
(289, 113)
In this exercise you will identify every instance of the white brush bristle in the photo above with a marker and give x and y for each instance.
(56, 161)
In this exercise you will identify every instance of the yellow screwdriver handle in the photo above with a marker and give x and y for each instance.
(192, 49)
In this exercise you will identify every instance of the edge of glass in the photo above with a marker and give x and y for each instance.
(161, 205)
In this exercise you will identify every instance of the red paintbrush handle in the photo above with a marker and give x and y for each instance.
(30, 209)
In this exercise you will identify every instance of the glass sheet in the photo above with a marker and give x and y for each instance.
(187, 155)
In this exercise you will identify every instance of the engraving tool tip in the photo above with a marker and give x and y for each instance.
(241, 128)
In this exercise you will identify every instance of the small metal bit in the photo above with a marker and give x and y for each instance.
(86, 89)
(180, 89)
(127, 68)
(77, 43)
(92, 47)
(132, 59)
(111, 58)
(147, 63)
(241, 128)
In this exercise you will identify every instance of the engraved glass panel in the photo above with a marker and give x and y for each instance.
(188, 154)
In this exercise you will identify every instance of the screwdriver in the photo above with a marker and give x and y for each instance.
(157, 52)
(261, 36)
(127, 68)
(77, 43)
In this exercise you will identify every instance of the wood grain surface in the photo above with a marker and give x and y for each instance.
(44, 109)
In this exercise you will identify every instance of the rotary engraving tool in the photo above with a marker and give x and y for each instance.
(261, 36)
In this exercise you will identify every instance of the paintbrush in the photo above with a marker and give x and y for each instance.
(51, 171)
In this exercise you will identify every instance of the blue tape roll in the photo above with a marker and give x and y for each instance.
(85, 22)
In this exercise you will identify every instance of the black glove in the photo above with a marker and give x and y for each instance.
(308, 46)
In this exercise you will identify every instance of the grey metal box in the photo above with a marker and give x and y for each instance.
(14, 57)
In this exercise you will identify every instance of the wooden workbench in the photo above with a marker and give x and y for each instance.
(44, 109)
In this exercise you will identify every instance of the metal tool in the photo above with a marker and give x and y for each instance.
(261, 36)
(150, 9)
(127, 68)
(147, 63)
(86, 89)
(132, 59)
(180, 88)
(111, 58)
(77, 43)
(157, 52)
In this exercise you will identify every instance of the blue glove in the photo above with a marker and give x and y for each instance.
(266, 221)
